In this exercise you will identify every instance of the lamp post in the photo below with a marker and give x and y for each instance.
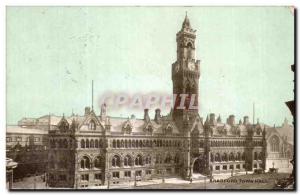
(163, 176)
(135, 183)
(108, 180)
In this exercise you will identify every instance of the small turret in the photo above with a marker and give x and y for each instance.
(157, 117)
(146, 115)
(219, 120)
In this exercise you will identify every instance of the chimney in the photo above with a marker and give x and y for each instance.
(87, 111)
(146, 115)
(157, 117)
(246, 120)
(212, 118)
(231, 120)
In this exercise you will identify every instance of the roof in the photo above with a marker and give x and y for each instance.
(20, 130)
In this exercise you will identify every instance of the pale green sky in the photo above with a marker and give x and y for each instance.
(245, 54)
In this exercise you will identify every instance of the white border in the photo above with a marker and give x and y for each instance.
(4, 3)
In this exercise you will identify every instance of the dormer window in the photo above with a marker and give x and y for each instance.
(92, 125)
(148, 129)
(127, 129)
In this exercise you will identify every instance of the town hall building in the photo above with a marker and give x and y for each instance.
(97, 149)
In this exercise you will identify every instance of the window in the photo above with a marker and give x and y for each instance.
(127, 173)
(97, 162)
(138, 173)
(8, 139)
(148, 172)
(36, 139)
(127, 161)
(231, 167)
(98, 176)
(92, 144)
(275, 144)
(139, 160)
(18, 139)
(255, 165)
(82, 144)
(224, 167)
(92, 125)
(255, 155)
(85, 163)
(116, 175)
(244, 166)
(238, 166)
(217, 168)
(168, 159)
(148, 160)
(116, 161)
(260, 165)
(85, 177)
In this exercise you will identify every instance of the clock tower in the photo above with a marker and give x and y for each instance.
(185, 75)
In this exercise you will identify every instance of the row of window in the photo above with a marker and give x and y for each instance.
(19, 139)
(92, 143)
(233, 157)
(128, 160)
(144, 143)
(238, 166)
(233, 143)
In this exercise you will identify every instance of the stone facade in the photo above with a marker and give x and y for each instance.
(93, 150)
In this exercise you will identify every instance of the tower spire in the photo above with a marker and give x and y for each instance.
(92, 94)
(253, 113)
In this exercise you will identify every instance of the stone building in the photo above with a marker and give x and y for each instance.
(29, 148)
(93, 150)
(280, 147)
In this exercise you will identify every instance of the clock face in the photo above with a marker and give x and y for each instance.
(191, 66)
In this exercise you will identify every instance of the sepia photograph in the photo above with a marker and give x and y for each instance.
(150, 98)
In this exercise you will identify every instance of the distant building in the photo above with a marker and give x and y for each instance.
(280, 147)
(29, 148)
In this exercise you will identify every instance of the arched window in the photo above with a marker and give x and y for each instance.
(168, 159)
(224, 157)
(177, 159)
(158, 159)
(275, 144)
(139, 160)
(118, 144)
(116, 162)
(92, 144)
(87, 143)
(114, 144)
(217, 157)
(148, 160)
(127, 161)
(243, 156)
(260, 156)
(85, 163)
(231, 157)
(238, 156)
(98, 162)
(212, 157)
(140, 144)
(92, 125)
(255, 155)
(82, 144)
(96, 143)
